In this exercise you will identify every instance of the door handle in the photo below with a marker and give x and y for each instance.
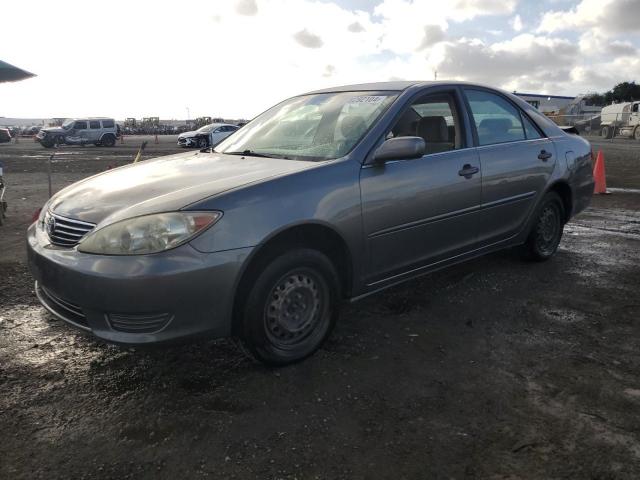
(544, 155)
(468, 171)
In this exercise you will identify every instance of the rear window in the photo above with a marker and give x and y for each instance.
(107, 123)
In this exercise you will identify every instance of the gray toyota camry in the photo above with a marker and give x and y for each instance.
(331, 195)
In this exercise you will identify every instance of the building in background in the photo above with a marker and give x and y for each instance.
(546, 103)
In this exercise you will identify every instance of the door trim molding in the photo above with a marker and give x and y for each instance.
(456, 213)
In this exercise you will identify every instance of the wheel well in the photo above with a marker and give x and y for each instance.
(563, 189)
(318, 237)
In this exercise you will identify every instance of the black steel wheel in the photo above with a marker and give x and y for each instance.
(108, 140)
(547, 229)
(291, 308)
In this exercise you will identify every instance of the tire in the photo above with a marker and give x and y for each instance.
(202, 142)
(291, 308)
(547, 228)
(636, 133)
(607, 131)
(47, 143)
(59, 140)
(108, 140)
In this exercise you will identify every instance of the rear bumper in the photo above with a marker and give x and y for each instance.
(142, 299)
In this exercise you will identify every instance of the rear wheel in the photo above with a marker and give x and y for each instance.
(291, 308)
(546, 232)
(108, 140)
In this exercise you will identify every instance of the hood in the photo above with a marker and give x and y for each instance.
(53, 130)
(188, 134)
(164, 184)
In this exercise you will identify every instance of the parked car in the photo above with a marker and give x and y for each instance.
(81, 131)
(207, 136)
(5, 135)
(331, 195)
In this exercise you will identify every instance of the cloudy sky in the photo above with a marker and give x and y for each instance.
(235, 58)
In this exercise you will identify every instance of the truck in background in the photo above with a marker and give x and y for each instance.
(621, 119)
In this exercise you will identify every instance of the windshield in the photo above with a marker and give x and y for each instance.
(68, 124)
(311, 127)
(205, 129)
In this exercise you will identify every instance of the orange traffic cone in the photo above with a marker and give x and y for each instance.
(599, 175)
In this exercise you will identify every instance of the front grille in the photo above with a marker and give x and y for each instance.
(65, 232)
(67, 310)
(140, 323)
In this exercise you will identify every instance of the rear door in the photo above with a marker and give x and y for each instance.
(417, 212)
(517, 161)
(95, 129)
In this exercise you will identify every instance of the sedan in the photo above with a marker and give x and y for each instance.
(328, 196)
(207, 136)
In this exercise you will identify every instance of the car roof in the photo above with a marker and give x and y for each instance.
(218, 125)
(395, 86)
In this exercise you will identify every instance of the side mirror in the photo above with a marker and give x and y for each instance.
(400, 148)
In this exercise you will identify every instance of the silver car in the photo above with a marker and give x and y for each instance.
(331, 195)
(81, 131)
(207, 136)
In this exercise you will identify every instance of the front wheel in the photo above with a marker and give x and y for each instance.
(291, 308)
(636, 133)
(546, 232)
(202, 142)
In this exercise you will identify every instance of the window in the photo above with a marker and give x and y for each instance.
(529, 128)
(107, 123)
(635, 107)
(80, 126)
(94, 124)
(534, 103)
(435, 119)
(497, 121)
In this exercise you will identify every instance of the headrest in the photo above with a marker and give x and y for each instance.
(352, 126)
(433, 129)
(496, 125)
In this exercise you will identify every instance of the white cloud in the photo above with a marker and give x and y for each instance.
(516, 23)
(613, 16)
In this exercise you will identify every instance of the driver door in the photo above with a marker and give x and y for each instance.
(422, 211)
(80, 132)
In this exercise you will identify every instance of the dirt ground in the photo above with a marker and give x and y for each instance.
(497, 368)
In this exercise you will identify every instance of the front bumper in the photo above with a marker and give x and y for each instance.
(138, 299)
(187, 142)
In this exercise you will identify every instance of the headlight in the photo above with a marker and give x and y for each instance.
(148, 234)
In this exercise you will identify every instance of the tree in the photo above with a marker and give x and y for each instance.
(622, 92)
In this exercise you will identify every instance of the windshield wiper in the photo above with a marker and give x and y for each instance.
(251, 153)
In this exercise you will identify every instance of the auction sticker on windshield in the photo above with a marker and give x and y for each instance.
(368, 99)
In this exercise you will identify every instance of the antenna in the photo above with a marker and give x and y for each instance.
(435, 74)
